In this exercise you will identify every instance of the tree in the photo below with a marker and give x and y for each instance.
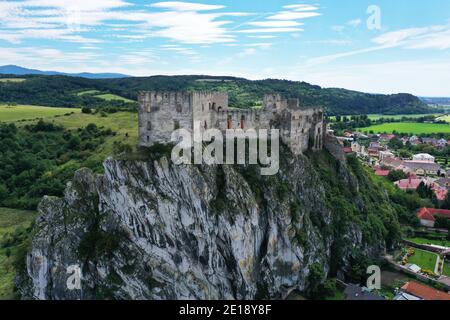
(446, 203)
(395, 144)
(397, 175)
(3, 192)
(328, 289)
(316, 277)
(424, 191)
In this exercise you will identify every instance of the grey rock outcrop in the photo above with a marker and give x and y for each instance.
(153, 230)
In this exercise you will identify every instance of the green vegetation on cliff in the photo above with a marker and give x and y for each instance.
(14, 239)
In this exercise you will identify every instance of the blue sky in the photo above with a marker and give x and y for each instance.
(381, 46)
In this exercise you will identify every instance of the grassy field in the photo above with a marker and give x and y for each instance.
(444, 243)
(124, 124)
(408, 127)
(399, 116)
(447, 268)
(23, 112)
(88, 92)
(374, 117)
(445, 118)
(12, 80)
(112, 97)
(424, 259)
(11, 220)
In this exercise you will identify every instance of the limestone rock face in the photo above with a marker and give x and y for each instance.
(154, 230)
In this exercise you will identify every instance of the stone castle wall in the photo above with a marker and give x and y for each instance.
(160, 113)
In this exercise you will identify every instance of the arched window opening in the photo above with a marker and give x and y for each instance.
(242, 122)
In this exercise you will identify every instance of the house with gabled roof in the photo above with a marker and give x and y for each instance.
(427, 216)
(424, 292)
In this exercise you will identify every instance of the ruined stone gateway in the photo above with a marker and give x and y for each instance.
(160, 113)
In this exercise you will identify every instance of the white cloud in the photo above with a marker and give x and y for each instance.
(432, 37)
(45, 58)
(301, 7)
(276, 24)
(263, 36)
(389, 77)
(292, 15)
(285, 20)
(271, 30)
(261, 45)
(337, 42)
(355, 23)
(185, 6)
(68, 21)
(338, 28)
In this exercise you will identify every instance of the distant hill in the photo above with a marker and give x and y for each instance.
(63, 91)
(19, 71)
(436, 100)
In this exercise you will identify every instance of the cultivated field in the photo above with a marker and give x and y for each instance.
(399, 116)
(375, 117)
(12, 222)
(12, 80)
(445, 118)
(23, 112)
(88, 92)
(112, 97)
(408, 127)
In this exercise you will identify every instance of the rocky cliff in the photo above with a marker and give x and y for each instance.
(153, 230)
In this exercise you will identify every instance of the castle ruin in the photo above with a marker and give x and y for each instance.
(160, 113)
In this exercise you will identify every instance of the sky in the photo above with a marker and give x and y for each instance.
(377, 46)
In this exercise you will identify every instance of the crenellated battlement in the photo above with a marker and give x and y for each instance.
(162, 112)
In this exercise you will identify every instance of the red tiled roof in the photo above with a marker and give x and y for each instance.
(441, 193)
(387, 136)
(430, 213)
(382, 173)
(348, 150)
(424, 292)
(408, 184)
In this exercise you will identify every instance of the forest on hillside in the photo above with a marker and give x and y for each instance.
(63, 91)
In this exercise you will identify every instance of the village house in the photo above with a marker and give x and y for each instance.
(382, 173)
(423, 292)
(427, 216)
(392, 163)
(412, 183)
(425, 157)
(387, 137)
(443, 182)
(442, 143)
(357, 293)
(422, 168)
(385, 154)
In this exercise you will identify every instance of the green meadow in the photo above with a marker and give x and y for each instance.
(103, 96)
(10, 113)
(88, 92)
(124, 124)
(375, 117)
(445, 118)
(13, 234)
(12, 80)
(113, 97)
(408, 127)
(398, 116)
(424, 259)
